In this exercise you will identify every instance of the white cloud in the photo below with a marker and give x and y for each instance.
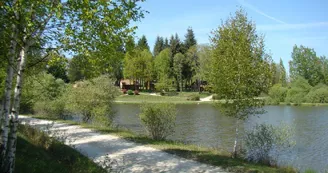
(244, 3)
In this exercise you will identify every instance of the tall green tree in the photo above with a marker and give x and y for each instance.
(283, 75)
(143, 43)
(179, 61)
(57, 66)
(163, 69)
(190, 40)
(239, 68)
(166, 43)
(159, 45)
(175, 45)
(306, 64)
(79, 68)
(79, 26)
(204, 54)
(138, 65)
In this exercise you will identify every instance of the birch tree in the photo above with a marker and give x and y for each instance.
(77, 26)
(239, 69)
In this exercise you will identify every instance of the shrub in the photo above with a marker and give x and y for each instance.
(93, 99)
(158, 119)
(215, 97)
(130, 92)
(277, 94)
(194, 97)
(318, 94)
(55, 108)
(299, 89)
(162, 93)
(264, 143)
(136, 92)
(40, 91)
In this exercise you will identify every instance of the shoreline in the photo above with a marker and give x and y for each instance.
(215, 157)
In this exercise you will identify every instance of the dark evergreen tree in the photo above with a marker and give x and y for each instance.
(130, 44)
(190, 40)
(143, 43)
(175, 45)
(166, 43)
(159, 45)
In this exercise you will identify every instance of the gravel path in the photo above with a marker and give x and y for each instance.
(128, 156)
(206, 99)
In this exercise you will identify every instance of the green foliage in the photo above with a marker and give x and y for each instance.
(204, 55)
(319, 94)
(190, 40)
(175, 46)
(163, 70)
(57, 66)
(138, 64)
(130, 92)
(277, 94)
(92, 99)
(80, 68)
(39, 90)
(178, 63)
(265, 142)
(239, 69)
(194, 97)
(159, 45)
(306, 64)
(143, 43)
(158, 119)
(299, 89)
(283, 75)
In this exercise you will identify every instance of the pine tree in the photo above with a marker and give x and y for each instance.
(166, 43)
(143, 43)
(159, 45)
(190, 40)
(175, 45)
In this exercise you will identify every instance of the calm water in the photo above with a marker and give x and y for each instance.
(203, 125)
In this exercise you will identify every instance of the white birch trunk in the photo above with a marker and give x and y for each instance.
(234, 153)
(6, 102)
(15, 109)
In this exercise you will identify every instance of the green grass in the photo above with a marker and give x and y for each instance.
(211, 156)
(181, 98)
(37, 153)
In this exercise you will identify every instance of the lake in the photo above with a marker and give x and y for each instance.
(203, 125)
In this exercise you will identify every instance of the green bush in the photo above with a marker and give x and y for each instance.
(319, 94)
(39, 90)
(216, 97)
(299, 89)
(194, 97)
(158, 119)
(130, 92)
(265, 142)
(93, 99)
(277, 94)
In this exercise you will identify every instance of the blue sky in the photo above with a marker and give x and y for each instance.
(283, 22)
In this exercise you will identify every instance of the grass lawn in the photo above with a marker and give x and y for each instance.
(181, 98)
(215, 157)
(36, 153)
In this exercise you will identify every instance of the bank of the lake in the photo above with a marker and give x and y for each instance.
(203, 125)
(183, 99)
(212, 156)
